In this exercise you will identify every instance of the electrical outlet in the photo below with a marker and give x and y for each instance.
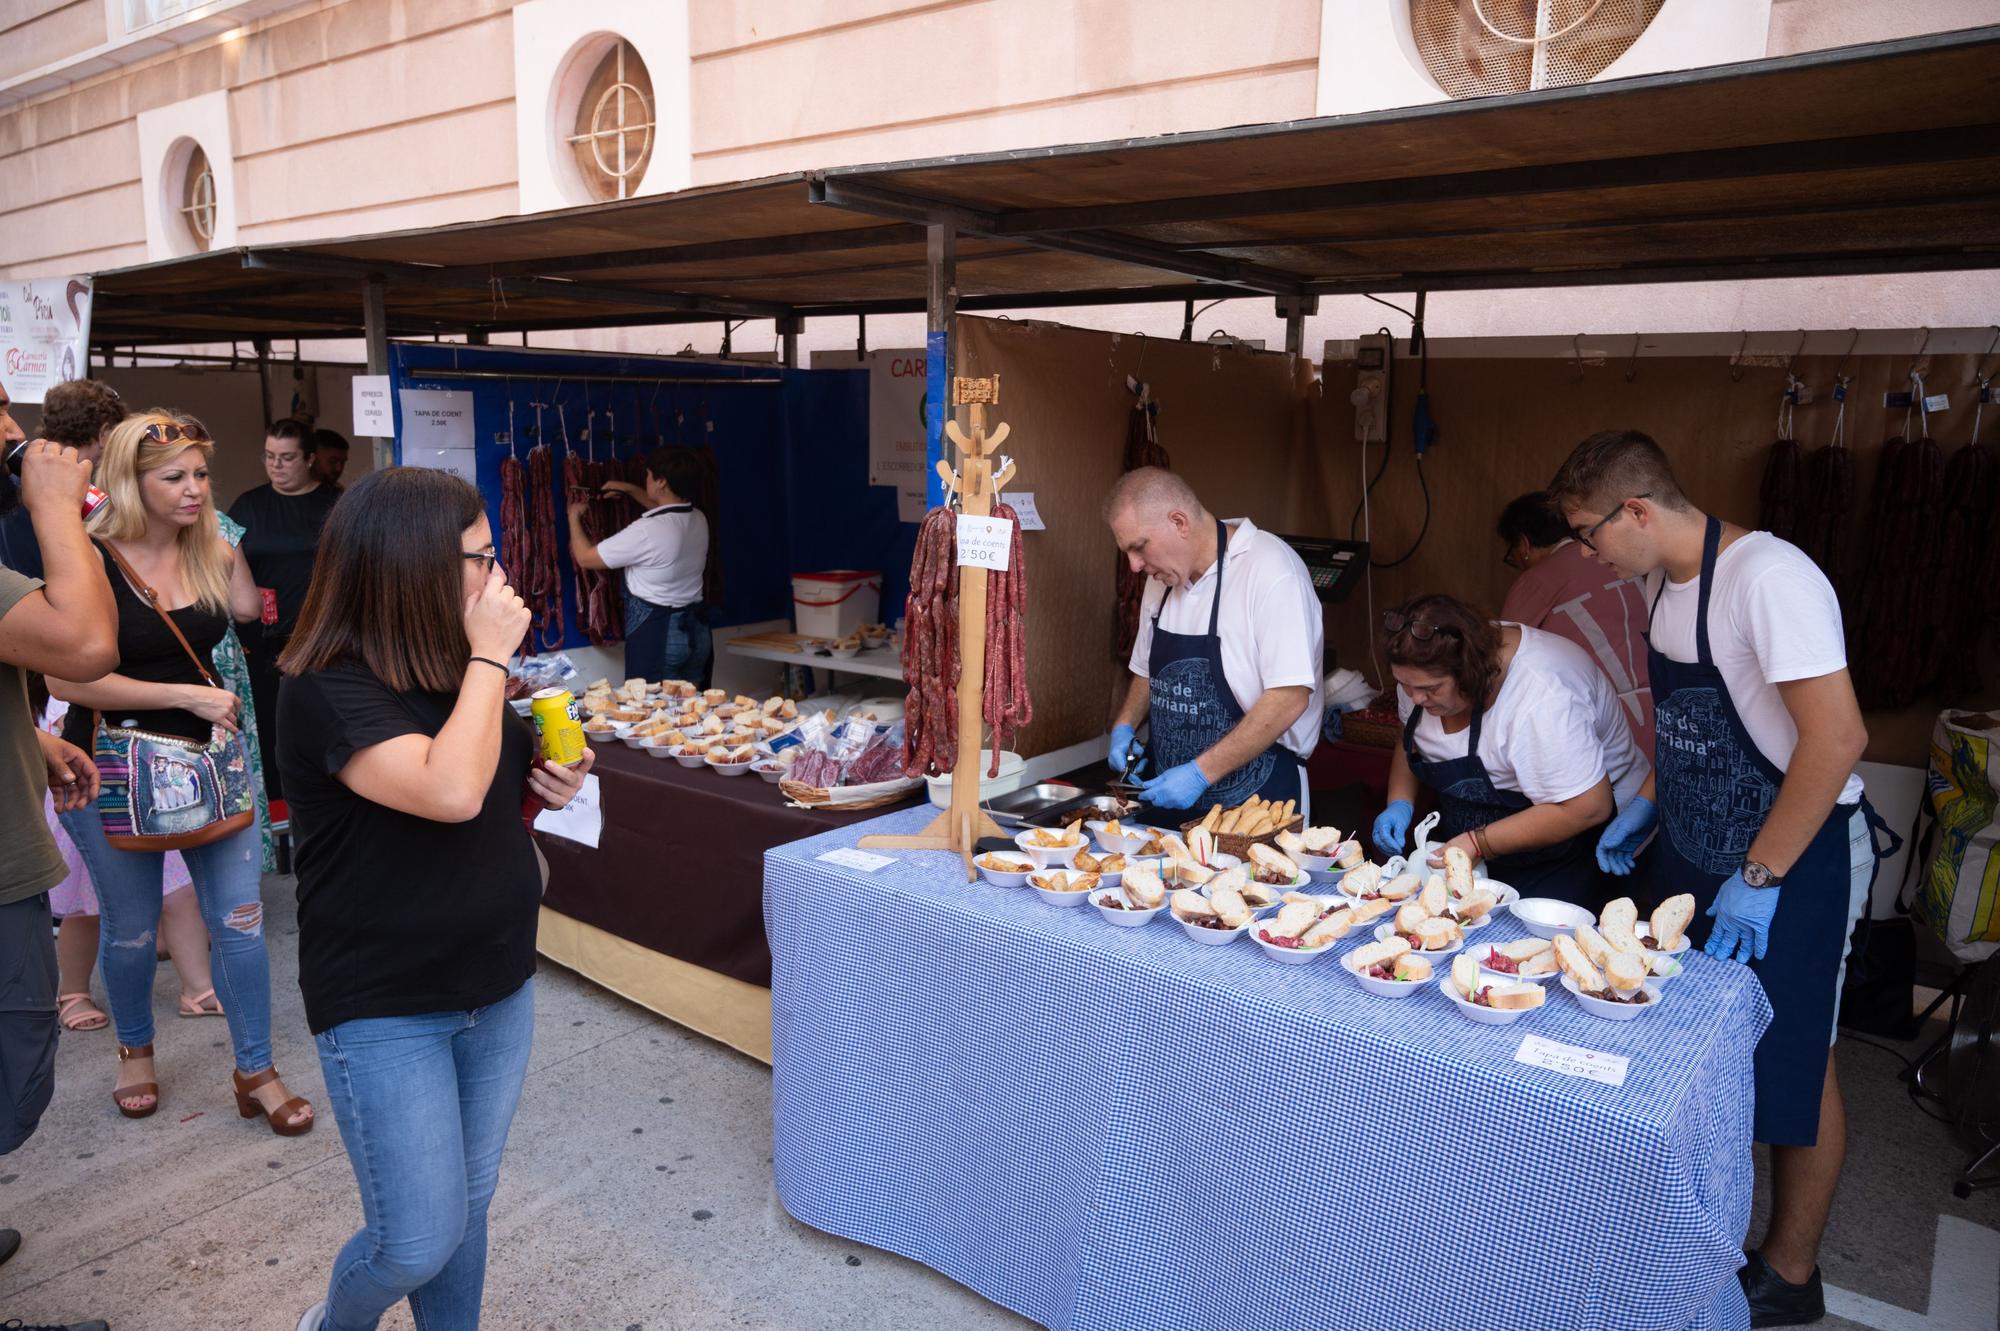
(1374, 356)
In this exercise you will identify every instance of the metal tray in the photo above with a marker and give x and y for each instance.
(1087, 806)
(1015, 809)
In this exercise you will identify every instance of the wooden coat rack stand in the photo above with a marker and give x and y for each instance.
(976, 484)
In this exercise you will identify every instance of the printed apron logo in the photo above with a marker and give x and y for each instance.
(1188, 718)
(1721, 794)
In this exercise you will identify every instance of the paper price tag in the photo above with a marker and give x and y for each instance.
(1572, 1060)
(848, 858)
(984, 542)
(1024, 508)
(1937, 402)
(371, 406)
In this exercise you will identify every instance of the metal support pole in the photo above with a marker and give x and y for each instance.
(1187, 322)
(1293, 310)
(375, 326)
(861, 335)
(940, 314)
(263, 345)
(789, 328)
(476, 338)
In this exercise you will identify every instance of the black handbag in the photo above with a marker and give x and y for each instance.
(1878, 995)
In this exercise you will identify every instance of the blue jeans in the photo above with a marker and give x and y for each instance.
(423, 1104)
(228, 879)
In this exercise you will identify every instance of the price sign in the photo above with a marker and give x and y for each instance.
(1572, 1060)
(984, 542)
(1024, 509)
(848, 858)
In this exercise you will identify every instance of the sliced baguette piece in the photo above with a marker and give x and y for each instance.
(1523, 948)
(1476, 907)
(1593, 945)
(1378, 954)
(1188, 904)
(1542, 963)
(1274, 860)
(1626, 972)
(1366, 912)
(1465, 976)
(1348, 855)
(1292, 920)
(1615, 914)
(1402, 887)
(1409, 915)
(1458, 871)
(1412, 969)
(1578, 966)
(1512, 997)
(1329, 930)
(1362, 880)
(1320, 840)
(1436, 934)
(1670, 921)
(1292, 844)
(1435, 895)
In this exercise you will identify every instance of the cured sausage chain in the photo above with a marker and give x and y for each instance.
(1005, 704)
(534, 506)
(931, 648)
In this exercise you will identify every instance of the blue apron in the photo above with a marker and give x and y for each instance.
(1192, 707)
(666, 641)
(1467, 798)
(1715, 788)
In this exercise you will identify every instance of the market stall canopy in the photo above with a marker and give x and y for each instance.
(1864, 159)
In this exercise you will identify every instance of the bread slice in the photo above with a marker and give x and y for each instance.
(1593, 945)
(1435, 895)
(1412, 969)
(1457, 871)
(1329, 930)
(1274, 860)
(1523, 948)
(1578, 966)
(1348, 855)
(1476, 907)
(1409, 915)
(1626, 972)
(1366, 912)
(1292, 920)
(1191, 905)
(1436, 934)
(1465, 976)
(1512, 997)
(1618, 914)
(1670, 921)
(1362, 880)
(1320, 840)
(1142, 887)
(1402, 887)
(1542, 963)
(1292, 844)
(1383, 953)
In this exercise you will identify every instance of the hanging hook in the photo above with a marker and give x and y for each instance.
(1984, 374)
(1576, 356)
(1736, 362)
(1918, 365)
(1632, 361)
(1845, 356)
(1796, 353)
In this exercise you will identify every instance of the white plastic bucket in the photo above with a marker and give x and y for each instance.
(836, 603)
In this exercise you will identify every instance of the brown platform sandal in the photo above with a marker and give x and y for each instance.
(282, 1118)
(120, 1094)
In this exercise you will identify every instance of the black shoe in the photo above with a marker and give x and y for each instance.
(67, 1326)
(1774, 1300)
(10, 1243)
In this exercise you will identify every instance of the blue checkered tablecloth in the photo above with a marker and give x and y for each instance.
(1121, 1128)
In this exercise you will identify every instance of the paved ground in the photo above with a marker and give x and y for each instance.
(636, 1194)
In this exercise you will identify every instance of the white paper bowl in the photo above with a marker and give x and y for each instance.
(845, 653)
(1382, 988)
(1129, 919)
(1117, 845)
(998, 878)
(1597, 1007)
(1048, 857)
(731, 769)
(1478, 952)
(1293, 956)
(602, 736)
(691, 757)
(1508, 896)
(1645, 932)
(1387, 930)
(1475, 1012)
(630, 740)
(1213, 937)
(1545, 917)
(771, 772)
(652, 750)
(1075, 898)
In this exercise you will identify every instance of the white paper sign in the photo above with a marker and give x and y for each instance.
(984, 542)
(582, 819)
(436, 418)
(371, 406)
(458, 461)
(848, 858)
(1572, 1060)
(1024, 508)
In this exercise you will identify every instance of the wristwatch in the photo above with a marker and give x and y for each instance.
(1756, 875)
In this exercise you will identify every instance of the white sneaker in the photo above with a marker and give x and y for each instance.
(315, 1317)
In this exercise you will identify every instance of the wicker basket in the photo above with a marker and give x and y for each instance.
(849, 799)
(1235, 843)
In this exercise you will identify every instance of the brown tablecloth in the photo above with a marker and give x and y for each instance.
(679, 868)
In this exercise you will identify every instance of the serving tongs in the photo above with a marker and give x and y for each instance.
(1123, 786)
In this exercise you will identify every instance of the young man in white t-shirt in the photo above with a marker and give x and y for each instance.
(1760, 812)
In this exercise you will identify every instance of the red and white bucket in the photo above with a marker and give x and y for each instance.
(836, 603)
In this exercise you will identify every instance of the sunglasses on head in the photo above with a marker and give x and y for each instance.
(175, 433)
(1395, 622)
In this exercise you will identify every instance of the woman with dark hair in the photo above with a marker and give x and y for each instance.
(418, 884)
(1518, 736)
(669, 574)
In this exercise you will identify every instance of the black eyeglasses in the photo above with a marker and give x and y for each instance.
(175, 433)
(486, 561)
(1599, 525)
(1395, 622)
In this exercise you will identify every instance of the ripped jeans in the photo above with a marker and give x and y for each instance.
(228, 876)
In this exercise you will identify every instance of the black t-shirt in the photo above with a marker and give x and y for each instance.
(281, 539)
(148, 651)
(399, 915)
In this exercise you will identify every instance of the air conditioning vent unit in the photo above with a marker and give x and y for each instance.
(1482, 48)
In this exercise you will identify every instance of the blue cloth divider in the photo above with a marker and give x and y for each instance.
(1103, 1127)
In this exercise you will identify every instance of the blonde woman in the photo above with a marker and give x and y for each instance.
(161, 522)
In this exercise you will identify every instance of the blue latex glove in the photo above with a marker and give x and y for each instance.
(1742, 920)
(1124, 743)
(1624, 834)
(1392, 827)
(1176, 788)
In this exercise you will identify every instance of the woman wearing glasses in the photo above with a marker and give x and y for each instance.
(418, 886)
(1520, 739)
(167, 560)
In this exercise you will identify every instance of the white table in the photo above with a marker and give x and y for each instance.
(884, 662)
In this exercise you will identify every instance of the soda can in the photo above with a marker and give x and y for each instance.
(558, 726)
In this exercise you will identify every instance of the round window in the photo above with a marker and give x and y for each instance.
(611, 127)
(1482, 48)
(195, 193)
